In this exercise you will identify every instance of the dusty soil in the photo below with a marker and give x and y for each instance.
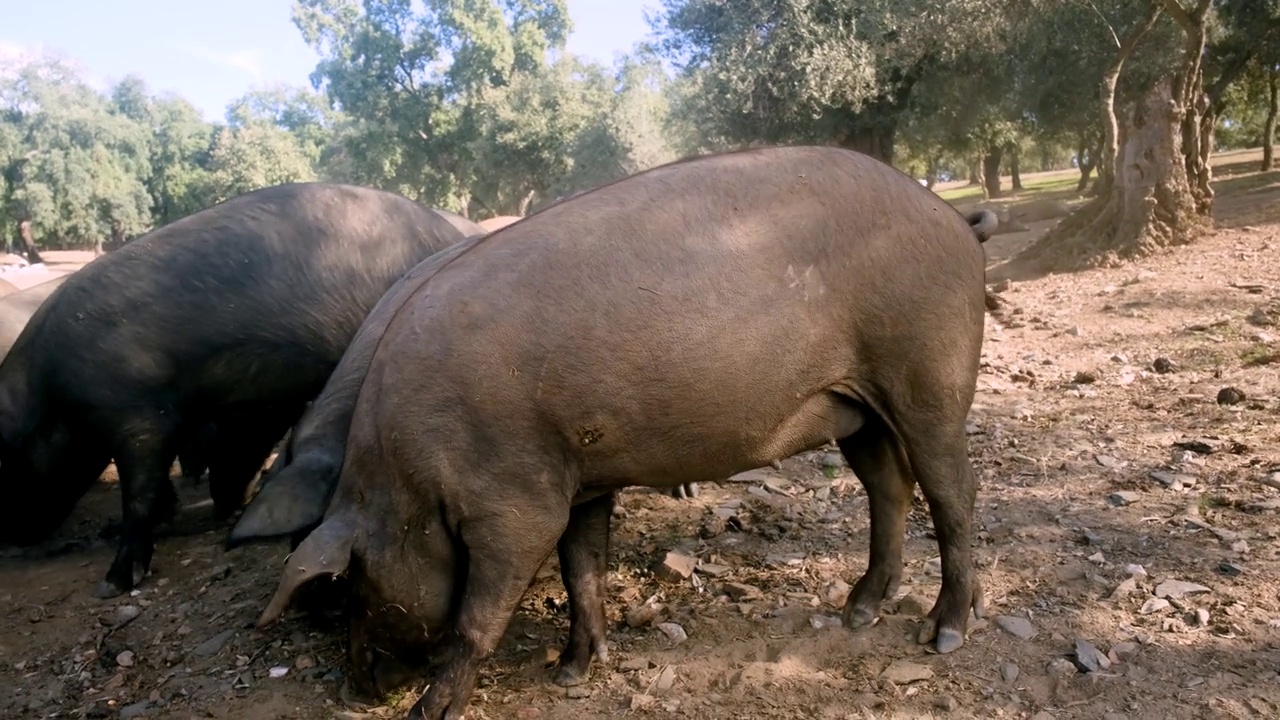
(1071, 410)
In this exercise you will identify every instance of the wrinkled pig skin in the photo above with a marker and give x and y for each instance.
(681, 325)
(234, 315)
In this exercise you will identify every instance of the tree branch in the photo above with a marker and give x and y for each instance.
(1105, 21)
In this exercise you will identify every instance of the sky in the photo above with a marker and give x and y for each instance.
(213, 52)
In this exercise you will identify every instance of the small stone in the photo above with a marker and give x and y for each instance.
(822, 622)
(1126, 587)
(304, 662)
(1231, 569)
(1202, 617)
(578, 692)
(1123, 497)
(666, 679)
(638, 617)
(1260, 318)
(1093, 538)
(278, 671)
(1240, 546)
(673, 631)
(635, 664)
(1163, 365)
(713, 570)
(126, 614)
(741, 592)
(1107, 461)
(946, 702)
(833, 460)
(1230, 396)
(676, 566)
(1097, 558)
(913, 605)
(903, 672)
(1175, 589)
(1009, 671)
(1074, 330)
(136, 710)
(1089, 658)
(836, 593)
(1135, 570)
(1154, 605)
(213, 645)
(1122, 650)
(125, 658)
(1061, 668)
(1019, 627)
(642, 701)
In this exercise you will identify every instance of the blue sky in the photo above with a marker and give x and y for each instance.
(213, 52)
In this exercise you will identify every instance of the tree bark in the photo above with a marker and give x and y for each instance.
(991, 172)
(975, 170)
(1188, 91)
(931, 172)
(1269, 130)
(1015, 171)
(1107, 100)
(1150, 203)
(1085, 160)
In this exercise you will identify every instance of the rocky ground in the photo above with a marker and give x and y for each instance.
(1126, 437)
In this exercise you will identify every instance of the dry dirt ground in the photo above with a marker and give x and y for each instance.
(1121, 525)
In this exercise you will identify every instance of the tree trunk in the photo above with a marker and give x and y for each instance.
(1014, 170)
(931, 172)
(1107, 101)
(975, 170)
(991, 173)
(1150, 203)
(1188, 91)
(1085, 160)
(29, 243)
(1269, 130)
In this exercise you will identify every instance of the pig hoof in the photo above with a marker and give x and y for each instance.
(570, 675)
(949, 640)
(107, 589)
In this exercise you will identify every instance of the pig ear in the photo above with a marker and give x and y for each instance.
(290, 500)
(326, 551)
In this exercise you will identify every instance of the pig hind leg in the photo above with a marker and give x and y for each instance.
(144, 455)
(504, 550)
(584, 558)
(937, 450)
(873, 454)
(240, 451)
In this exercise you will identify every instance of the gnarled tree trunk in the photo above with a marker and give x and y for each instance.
(29, 243)
(1269, 130)
(1188, 91)
(1015, 172)
(975, 170)
(1150, 203)
(1086, 158)
(1107, 101)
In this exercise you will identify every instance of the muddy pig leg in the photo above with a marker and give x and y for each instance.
(504, 551)
(874, 456)
(938, 452)
(143, 457)
(584, 560)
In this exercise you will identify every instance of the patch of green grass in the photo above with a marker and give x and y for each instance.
(1258, 355)
(1032, 189)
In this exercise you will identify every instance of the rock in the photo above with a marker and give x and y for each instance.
(1123, 497)
(1009, 671)
(902, 672)
(822, 622)
(642, 701)
(125, 658)
(713, 570)
(1231, 569)
(666, 679)
(213, 645)
(126, 614)
(1175, 589)
(673, 631)
(1127, 587)
(1240, 546)
(528, 713)
(1154, 605)
(1016, 626)
(1085, 377)
(1074, 330)
(578, 692)
(1135, 570)
(1230, 396)
(136, 710)
(833, 460)
(836, 593)
(304, 662)
(741, 592)
(676, 566)
(1061, 668)
(278, 671)
(946, 702)
(1089, 658)
(1001, 285)
(913, 605)
(1173, 481)
(1163, 365)
(1260, 318)
(1107, 461)
(1123, 650)
(638, 617)
(635, 664)
(1202, 617)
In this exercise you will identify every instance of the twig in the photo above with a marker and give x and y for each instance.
(655, 292)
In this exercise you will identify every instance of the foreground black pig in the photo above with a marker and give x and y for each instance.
(235, 315)
(684, 324)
